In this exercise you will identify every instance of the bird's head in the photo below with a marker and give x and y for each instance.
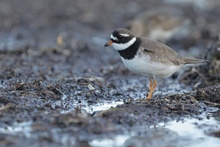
(121, 39)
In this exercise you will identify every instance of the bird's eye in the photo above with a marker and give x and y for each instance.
(120, 36)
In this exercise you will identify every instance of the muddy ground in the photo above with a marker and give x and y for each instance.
(54, 67)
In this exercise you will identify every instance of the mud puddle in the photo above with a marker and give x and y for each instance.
(18, 128)
(193, 132)
(197, 131)
(101, 106)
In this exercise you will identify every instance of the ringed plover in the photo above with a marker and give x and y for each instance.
(148, 57)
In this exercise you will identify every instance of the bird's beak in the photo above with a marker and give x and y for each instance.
(109, 43)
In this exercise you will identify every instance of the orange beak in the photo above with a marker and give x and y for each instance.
(109, 43)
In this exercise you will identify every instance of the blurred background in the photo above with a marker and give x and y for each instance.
(89, 22)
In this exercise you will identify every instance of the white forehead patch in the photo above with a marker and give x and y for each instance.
(125, 35)
(113, 37)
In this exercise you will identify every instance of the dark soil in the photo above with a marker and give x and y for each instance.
(53, 65)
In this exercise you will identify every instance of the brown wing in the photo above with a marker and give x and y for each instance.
(160, 52)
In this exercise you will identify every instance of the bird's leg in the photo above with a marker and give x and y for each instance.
(153, 85)
(151, 89)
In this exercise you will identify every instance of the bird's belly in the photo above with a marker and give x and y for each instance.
(145, 66)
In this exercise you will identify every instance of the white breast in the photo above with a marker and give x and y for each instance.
(144, 66)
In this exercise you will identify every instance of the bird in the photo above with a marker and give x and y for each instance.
(148, 57)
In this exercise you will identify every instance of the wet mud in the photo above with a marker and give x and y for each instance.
(56, 77)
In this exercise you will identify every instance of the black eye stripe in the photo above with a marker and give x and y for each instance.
(121, 39)
(115, 41)
(120, 36)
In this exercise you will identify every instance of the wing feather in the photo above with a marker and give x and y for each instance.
(160, 52)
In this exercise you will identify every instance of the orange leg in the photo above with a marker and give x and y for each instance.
(153, 85)
(150, 92)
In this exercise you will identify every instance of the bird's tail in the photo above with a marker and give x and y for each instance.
(194, 61)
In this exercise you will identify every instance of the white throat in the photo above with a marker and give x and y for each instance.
(122, 46)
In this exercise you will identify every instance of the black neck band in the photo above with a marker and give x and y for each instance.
(130, 52)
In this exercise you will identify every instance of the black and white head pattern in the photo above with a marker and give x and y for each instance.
(122, 39)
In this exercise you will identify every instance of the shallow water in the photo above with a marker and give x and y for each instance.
(101, 106)
(196, 130)
(17, 128)
(190, 132)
